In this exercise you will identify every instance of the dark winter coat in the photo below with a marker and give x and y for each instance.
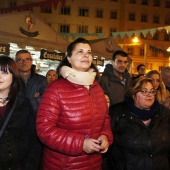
(36, 83)
(113, 86)
(18, 143)
(68, 113)
(137, 146)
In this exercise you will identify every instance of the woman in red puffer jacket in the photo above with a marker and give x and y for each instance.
(72, 121)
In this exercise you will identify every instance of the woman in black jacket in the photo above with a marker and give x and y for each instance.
(18, 141)
(141, 127)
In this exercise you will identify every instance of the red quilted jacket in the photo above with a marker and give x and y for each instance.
(67, 114)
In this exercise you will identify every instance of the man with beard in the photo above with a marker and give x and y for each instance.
(116, 79)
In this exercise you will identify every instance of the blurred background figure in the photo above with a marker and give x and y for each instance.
(51, 76)
(162, 95)
(166, 77)
(141, 129)
(18, 140)
(141, 69)
(33, 68)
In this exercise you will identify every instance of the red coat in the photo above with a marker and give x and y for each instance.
(67, 114)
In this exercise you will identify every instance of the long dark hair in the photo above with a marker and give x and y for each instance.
(70, 48)
(7, 63)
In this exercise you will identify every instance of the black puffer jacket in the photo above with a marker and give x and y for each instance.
(136, 146)
(19, 146)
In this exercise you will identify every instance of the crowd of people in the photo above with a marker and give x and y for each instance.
(75, 119)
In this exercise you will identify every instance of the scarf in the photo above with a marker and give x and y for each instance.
(78, 77)
(142, 114)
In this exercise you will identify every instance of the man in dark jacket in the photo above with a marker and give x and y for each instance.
(115, 79)
(32, 84)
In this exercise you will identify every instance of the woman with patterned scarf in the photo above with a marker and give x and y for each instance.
(73, 121)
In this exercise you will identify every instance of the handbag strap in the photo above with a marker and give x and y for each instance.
(8, 117)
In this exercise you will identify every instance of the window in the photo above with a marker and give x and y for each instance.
(12, 3)
(113, 14)
(167, 20)
(84, 12)
(156, 19)
(65, 10)
(64, 28)
(131, 17)
(99, 13)
(132, 1)
(82, 29)
(144, 2)
(167, 4)
(142, 52)
(155, 36)
(144, 18)
(130, 51)
(166, 37)
(156, 3)
(112, 30)
(114, 0)
(47, 10)
(99, 29)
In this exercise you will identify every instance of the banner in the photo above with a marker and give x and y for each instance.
(44, 54)
(4, 49)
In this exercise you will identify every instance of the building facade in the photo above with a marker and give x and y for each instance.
(97, 19)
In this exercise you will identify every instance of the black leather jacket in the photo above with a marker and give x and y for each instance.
(137, 146)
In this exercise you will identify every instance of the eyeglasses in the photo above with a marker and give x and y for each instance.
(146, 92)
(21, 60)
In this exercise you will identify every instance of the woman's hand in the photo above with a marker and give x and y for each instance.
(91, 145)
(103, 143)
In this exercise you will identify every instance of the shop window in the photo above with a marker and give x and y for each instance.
(144, 18)
(84, 12)
(64, 28)
(131, 17)
(144, 2)
(99, 13)
(167, 5)
(99, 29)
(82, 29)
(156, 19)
(65, 10)
(113, 14)
(156, 3)
(132, 1)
